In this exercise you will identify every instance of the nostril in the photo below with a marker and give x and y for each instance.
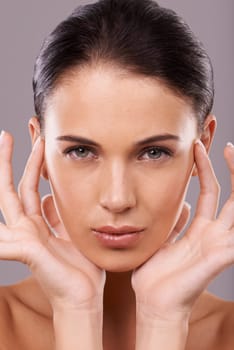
(118, 204)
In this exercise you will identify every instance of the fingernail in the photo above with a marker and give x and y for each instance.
(229, 144)
(2, 136)
(201, 145)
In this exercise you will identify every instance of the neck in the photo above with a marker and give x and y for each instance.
(118, 293)
(119, 315)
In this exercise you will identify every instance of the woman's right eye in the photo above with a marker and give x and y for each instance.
(80, 152)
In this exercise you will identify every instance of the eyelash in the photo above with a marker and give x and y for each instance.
(161, 150)
(70, 150)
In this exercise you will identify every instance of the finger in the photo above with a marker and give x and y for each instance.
(9, 247)
(28, 186)
(10, 204)
(227, 213)
(209, 187)
(181, 223)
(229, 157)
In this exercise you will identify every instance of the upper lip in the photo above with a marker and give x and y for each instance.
(126, 229)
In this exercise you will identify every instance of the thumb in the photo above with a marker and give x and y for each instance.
(181, 223)
(51, 217)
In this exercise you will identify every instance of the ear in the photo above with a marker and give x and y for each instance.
(52, 219)
(208, 132)
(207, 135)
(35, 131)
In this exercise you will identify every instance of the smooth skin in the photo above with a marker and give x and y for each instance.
(150, 295)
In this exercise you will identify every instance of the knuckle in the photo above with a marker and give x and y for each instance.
(215, 187)
(212, 190)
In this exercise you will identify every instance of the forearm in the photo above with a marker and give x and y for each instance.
(157, 334)
(78, 330)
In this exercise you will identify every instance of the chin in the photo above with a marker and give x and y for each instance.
(119, 265)
(119, 269)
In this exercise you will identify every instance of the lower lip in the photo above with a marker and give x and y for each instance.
(118, 241)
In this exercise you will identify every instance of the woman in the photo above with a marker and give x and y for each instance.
(123, 95)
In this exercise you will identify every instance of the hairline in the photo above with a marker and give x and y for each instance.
(69, 74)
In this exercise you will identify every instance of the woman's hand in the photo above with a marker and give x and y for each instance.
(169, 283)
(68, 279)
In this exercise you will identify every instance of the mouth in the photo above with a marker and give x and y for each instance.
(118, 237)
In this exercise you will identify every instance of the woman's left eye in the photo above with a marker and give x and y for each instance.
(80, 152)
(156, 153)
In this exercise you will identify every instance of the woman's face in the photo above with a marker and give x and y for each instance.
(118, 152)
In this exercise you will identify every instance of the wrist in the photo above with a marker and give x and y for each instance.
(78, 328)
(162, 324)
(161, 335)
(92, 306)
(86, 315)
(147, 314)
(160, 332)
(156, 330)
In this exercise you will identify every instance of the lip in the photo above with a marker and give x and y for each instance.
(126, 229)
(118, 237)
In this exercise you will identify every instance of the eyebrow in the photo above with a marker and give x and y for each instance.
(84, 140)
(77, 139)
(155, 138)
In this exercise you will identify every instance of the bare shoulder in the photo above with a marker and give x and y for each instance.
(23, 318)
(213, 328)
(6, 318)
(227, 326)
(222, 318)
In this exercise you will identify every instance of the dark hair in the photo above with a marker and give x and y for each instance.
(138, 36)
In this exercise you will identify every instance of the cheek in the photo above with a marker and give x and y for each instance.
(71, 189)
(166, 194)
(73, 196)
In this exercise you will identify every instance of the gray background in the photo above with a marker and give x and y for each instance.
(23, 26)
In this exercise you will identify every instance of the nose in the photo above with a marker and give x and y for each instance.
(117, 193)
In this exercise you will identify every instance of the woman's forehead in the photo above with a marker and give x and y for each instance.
(103, 96)
(120, 116)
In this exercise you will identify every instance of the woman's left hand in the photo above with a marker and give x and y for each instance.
(170, 282)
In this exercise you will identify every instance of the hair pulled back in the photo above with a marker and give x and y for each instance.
(138, 36)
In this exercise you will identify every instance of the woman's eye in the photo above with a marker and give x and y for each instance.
(155, 153)
(80, 152)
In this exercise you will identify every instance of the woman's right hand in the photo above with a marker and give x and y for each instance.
(170, 282)
(68, 279)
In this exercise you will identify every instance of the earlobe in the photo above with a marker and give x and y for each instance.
(52, 219)
(35, 131)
